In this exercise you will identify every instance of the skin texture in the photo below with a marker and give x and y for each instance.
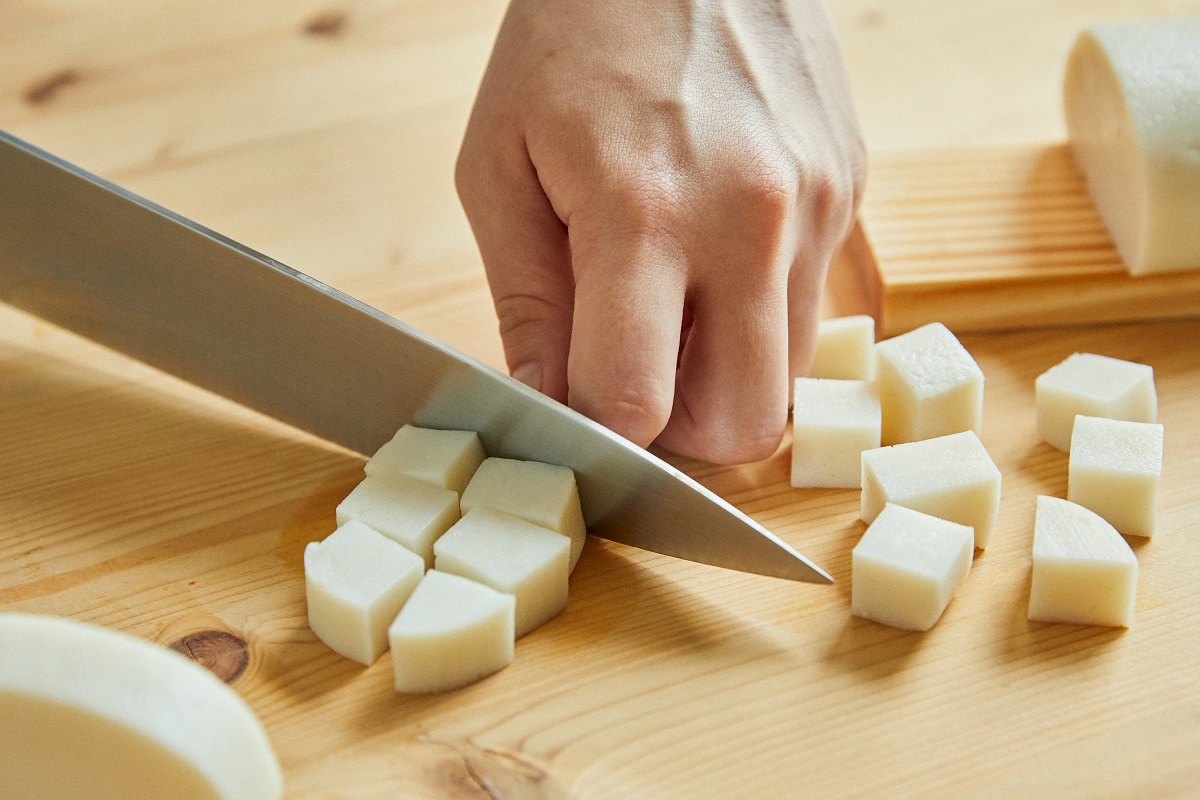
(657, 188)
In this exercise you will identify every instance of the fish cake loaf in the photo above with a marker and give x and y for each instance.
(1132, 102)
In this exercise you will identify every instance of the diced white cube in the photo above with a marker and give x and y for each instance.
(356, 581)
(1095, 386)
(929, 385)
(907, 567)
(412, 512)
(451, 632)
(544, 494)
(1083, 571)
(510, 555)
(833, 421)
(1114, 470)
(844, 349)
(951, 477)
(443, 458)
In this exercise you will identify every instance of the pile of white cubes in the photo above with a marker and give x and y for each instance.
(900, 420)
(444, 556)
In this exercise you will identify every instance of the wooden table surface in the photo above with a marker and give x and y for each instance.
(324, 135)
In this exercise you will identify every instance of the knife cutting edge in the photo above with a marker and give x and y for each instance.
(90, 256)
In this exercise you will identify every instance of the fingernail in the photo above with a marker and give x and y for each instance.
(530, 374)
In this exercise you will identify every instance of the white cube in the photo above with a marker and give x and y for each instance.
(1095, 386)
(929, 385)
(451, 632)
(1083, 571)
(907, 567)
(833, 421)
(510, 555)
(356, 581)
(543, 494)
(412, 512)
(951, 477)
(1114, 470)
(443, 458)
(844, 349)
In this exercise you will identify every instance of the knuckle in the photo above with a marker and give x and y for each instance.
(524, 316)
(645, 199)
(745, 442)
(466, 172)
(725, 442)
(637, 412)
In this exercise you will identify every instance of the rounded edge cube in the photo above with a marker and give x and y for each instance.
(907, 567)
(355, 582)
(833, 422)
(441, 457)
(929, 385)
(510, 555)
(544, 494)
(845, 349)
(1114, 469)
(951, 477)
(1095, 386)
(410, 511)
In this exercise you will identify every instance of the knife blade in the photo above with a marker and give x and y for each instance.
(85, 254)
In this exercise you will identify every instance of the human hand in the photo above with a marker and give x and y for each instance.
(657, 188)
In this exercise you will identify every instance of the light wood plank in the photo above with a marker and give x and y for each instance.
(135, 501)
(999, 237)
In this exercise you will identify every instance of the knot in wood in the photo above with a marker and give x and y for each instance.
(223, 653)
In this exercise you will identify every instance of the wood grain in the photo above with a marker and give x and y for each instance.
(995, 238)
(324, 134)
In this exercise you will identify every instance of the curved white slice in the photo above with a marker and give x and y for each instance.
(513, 556)
(443, 458)
(1132, 116)
(356, 582)
(451, 632)
(90, 712)
(544, 494)
(1083, 571)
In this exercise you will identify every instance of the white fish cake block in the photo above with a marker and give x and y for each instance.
(510, 555)
(844, 349)
(94, 713)
(410, 511)
(543, 494)
(356, 581)
(451, 632)
(1095, 386)
(443, 458)
(929, 385)
(951, 477)
(1114, 470)
(907, 567)
(1083, 571)
(833, 422)
(1132, 117)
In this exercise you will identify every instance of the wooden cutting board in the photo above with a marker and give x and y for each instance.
(324, 135)
(995, 238)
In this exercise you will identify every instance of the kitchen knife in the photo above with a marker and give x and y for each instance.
(92, 257)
